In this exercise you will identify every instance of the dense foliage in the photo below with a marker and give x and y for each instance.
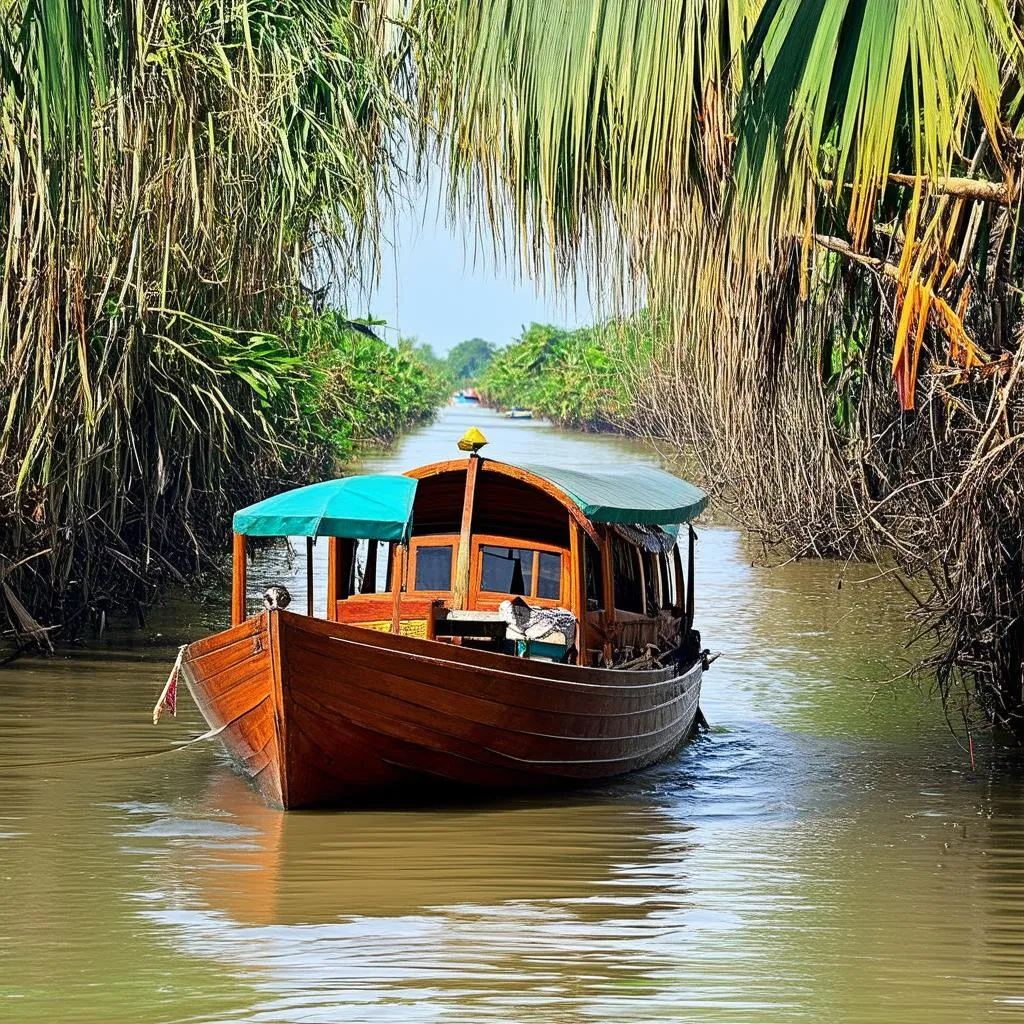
(824, 199)
(177, 179)
(359, 391)
(468, 359)
(821, 201)
(575, 378)
(460, 365)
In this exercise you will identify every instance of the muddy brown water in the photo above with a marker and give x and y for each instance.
(826, 853)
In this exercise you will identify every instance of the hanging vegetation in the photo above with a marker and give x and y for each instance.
(820, 201)
(824, 200)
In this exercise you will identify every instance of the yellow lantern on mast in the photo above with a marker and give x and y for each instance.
(472, 441)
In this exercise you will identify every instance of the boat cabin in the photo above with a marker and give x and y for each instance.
(532, 561)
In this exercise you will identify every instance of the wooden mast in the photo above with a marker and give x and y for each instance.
(460, 589)
(238, 580)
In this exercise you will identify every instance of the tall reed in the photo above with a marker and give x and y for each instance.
(175, 176)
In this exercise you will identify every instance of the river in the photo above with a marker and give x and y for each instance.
(825, 853)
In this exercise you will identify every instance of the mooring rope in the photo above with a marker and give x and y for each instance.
(130, 756)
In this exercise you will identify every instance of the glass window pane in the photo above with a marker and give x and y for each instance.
(506, 570)
(434, 567)
(628, 586)
(595, 578)
(549, 576)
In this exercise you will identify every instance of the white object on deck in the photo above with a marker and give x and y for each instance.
(545, 625)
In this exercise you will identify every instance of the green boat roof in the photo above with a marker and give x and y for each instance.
(372, 507)
(379, 507)
(638, 494)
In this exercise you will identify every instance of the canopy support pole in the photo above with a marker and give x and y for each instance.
(608, 584)
(690, 580)
(370, 572)
(332, 579)
(460, 592)
(680, 602)
(309, 576)
(578, 588)
(340, 555)
(398, 563)
(238, 581)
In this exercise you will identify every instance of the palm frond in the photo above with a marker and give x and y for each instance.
(579, 126)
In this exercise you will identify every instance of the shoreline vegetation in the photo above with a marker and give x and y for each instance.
(573, 378)
(823, 202)
(328, 390)
(183, 184)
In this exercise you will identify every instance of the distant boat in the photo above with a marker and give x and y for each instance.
(536, 630)
(519, 414)
(468, 395)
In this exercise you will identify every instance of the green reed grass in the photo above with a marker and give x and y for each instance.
(575, 378)
(174, 177)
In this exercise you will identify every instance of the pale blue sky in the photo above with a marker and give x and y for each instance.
(432, 288)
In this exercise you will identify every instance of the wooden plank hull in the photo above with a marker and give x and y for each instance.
(323, 713)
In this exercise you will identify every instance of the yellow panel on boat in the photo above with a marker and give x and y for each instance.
(407, 627)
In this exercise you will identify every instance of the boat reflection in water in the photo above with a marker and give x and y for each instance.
(261, 867)
(465, 913)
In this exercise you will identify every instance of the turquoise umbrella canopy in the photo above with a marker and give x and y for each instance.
(358, 507)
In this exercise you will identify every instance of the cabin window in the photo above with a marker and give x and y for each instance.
(549, 575)
(507, 570)
(595, 578)
(629, 590)
(523, 572)
(434, 567)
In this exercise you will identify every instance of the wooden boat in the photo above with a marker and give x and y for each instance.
(533, 628)
(519, 414)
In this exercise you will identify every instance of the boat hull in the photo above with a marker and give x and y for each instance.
(322, 713)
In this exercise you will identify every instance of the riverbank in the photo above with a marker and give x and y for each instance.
(623, 376)
(177, 216)
(106, 537)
